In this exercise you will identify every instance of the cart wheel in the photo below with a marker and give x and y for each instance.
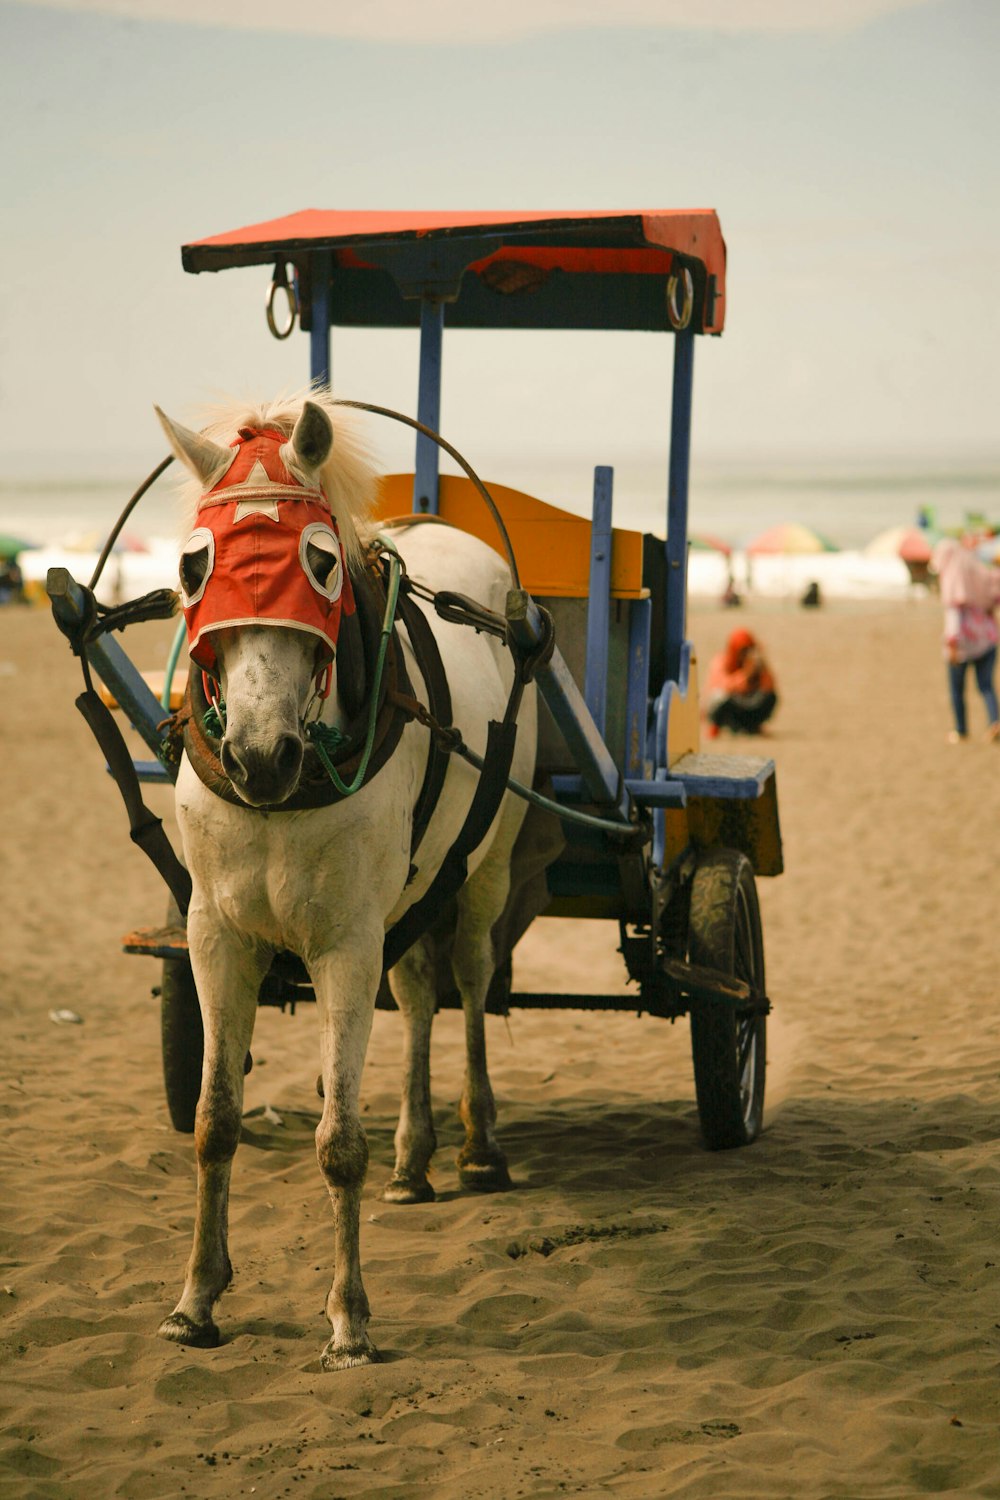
(729, 1049)
(182, 1037)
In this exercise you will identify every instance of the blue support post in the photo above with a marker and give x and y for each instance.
(637, 687)
(319, 317)
(595, 677)
(677, 502)
(425, 478)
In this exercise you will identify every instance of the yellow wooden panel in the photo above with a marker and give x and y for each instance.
(684, 722)
(552, 546)
(751, 826)
(154, 681)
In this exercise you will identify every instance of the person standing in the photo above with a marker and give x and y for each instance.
(970, 592)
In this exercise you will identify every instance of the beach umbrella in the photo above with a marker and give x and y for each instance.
(10, 546)
(788, 538)
(703, 542)
(911, 543)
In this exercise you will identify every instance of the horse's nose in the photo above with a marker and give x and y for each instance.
(263, 775)
(288, 756)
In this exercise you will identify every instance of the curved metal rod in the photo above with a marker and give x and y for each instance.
(130, 507)
(379, 411)
(398, 416)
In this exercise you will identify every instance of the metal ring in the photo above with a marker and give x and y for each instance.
(680, 317)
(280, 279)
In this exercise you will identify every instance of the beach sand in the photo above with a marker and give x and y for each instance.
(815, 1316)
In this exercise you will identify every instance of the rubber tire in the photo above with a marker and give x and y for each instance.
(725, 933)
(182, 1038)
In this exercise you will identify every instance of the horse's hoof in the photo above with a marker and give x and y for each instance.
(179, 1329)
(350, 1357)
(408, 1190)
(489, 1176)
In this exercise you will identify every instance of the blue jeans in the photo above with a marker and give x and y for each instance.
(983, 667)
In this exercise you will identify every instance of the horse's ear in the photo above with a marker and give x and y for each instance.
(206, 460)
(312, 438)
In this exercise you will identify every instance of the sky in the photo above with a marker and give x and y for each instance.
(848, 146)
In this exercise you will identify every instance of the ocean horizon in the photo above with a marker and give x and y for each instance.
(848, 501)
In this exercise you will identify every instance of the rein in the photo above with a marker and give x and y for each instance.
(324, 737)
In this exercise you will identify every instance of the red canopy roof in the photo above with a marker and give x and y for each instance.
(512, 256)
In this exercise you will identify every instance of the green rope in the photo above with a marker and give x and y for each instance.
(324, 737)
(180, 635)
(327, 738)
(214, 718)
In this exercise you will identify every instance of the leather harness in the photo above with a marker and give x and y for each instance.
(397, 705)
(186, 730)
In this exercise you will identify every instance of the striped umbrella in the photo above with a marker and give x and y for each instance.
(789, 538)
(911, 543)
(702, 541)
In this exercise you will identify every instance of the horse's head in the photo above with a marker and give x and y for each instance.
(263, 586)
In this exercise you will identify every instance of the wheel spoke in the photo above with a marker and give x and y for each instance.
(746, 1036)
(743, 955)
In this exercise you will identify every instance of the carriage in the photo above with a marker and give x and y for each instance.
(626, 819)
(656, 837)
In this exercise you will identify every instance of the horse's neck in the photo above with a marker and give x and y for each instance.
(333, 710)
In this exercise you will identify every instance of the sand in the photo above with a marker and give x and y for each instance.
(815, 1316)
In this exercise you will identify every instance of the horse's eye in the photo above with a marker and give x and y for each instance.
(196, 563)
(321, 560)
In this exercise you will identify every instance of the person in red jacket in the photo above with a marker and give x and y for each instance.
(742, 693)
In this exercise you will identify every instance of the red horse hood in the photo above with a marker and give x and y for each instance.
(265, 551)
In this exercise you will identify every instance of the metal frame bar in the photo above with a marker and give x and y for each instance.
(595, 677)
(426, 462)
(320, 362)
(677, 502)
(649, 793)
(637, 687)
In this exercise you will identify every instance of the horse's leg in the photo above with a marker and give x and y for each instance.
(228, 975)
(481, 1162)
(413, 985)
(346, 984)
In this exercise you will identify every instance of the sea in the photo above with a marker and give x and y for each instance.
(848, 502)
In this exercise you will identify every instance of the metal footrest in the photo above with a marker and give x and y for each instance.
(740, 777)
(157, 942)
(712, 985)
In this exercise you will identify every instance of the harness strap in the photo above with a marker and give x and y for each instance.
(425, 649)
(454, 870)
(146, 828)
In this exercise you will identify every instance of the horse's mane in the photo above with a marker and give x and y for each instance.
(349, 477)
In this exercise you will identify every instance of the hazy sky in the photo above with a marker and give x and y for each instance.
(849, 147)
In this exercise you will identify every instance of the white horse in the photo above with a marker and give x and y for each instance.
(326, 883)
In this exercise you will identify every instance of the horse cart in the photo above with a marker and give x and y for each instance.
(628, 820)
